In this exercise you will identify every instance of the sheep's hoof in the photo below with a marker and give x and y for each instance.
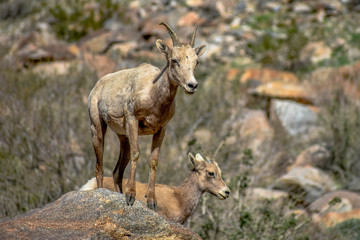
(130, 199)
(152, 206)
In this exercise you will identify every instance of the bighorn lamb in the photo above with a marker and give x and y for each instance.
(140, 101)
(178, 203)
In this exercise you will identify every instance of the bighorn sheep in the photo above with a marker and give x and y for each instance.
(178, 203)
(140, 101)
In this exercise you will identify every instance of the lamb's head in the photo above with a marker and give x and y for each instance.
(182, 60)
(209, 176)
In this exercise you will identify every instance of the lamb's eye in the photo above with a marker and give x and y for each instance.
(197, 62)
(211, 174)
(175, 62)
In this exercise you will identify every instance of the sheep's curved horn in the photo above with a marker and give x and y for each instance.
(174, 37)
(192, 42)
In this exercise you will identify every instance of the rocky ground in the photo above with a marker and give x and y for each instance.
(278, 98)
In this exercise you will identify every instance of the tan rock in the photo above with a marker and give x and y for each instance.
(262, 193)
(281, 90)
(233, 73)
(308, 182)
(225, 7)
(100, 64)
(325, 81)
(301, 7)
(96, 42)
(337, 201)
(190, 19)
(333, 218)
(123, 49)
(315, 156)
(55, 68)
(194, 3)
(268, 75)
(315, 52)
(256, 130)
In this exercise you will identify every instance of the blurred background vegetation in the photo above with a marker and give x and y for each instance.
(45, 145)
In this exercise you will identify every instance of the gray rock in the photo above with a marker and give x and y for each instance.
(294, 117)
(98, 214)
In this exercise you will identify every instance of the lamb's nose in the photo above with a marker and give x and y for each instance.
(227, 192)
(192, 85)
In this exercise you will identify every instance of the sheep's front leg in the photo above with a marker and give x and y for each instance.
(154, 159)
(132, 129)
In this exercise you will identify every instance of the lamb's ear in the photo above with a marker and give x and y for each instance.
(196, 161)
(192, 159)
(162, 47)
(200, 50)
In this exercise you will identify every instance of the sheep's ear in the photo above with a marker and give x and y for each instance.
(162, 47)
(200, 50)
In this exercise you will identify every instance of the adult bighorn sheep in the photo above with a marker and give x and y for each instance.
(178, 203)
(140, 101)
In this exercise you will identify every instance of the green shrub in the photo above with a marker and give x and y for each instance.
(74, 19)
(43, 124)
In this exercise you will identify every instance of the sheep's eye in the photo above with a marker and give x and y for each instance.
(211, 174)
(175, 62)
(197, 62)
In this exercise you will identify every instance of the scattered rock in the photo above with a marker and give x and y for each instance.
(297, 119)
(35, 48)
(194, 3)
(315, 156)
(337, 201)
(98, 214)
(272, 6)
(306, 182)
(315, 52)
(300, 7)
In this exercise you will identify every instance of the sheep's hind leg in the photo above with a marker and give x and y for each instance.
(98, 130)
(124, 158)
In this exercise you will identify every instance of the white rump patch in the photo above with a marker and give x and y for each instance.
(90, 185)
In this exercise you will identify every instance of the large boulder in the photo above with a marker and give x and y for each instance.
(97, 214)
(306, 183)
(295, 118)
(332, 219)
(316, 156)
(337, 201)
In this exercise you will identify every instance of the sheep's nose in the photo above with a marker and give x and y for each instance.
(192, 85)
